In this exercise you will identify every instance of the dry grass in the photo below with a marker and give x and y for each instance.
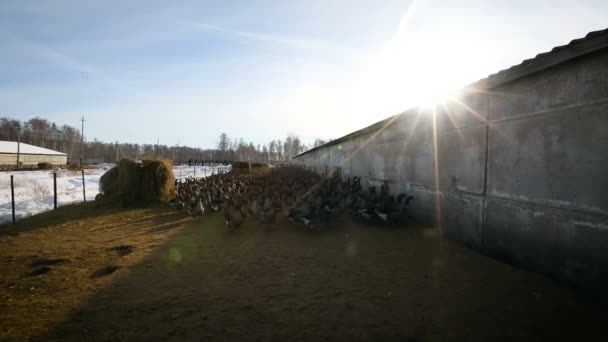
(81, 237)
(150, 274)
(39, 189)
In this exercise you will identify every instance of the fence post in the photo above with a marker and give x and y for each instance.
(205, 171)
(55, 188)
(195, 171)
(84, 191)
(13, 197)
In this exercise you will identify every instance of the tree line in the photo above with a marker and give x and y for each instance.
(67, 139)
(276, 150)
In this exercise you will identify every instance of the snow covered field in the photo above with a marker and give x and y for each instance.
(34, 189)
(185, 171)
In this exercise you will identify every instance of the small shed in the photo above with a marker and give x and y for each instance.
(29, 154)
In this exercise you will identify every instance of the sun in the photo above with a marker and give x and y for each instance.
(411, 73)
(422, 68)
(433, 96)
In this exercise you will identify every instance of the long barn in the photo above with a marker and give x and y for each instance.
(29, 154)
(516, 167)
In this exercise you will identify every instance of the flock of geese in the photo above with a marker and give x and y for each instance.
(290, 192)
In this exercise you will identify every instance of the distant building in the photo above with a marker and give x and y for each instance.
(29, 154)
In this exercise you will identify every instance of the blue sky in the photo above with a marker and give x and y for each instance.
(185, 71)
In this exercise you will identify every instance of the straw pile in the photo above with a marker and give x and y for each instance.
(132, 183)
(240, 167)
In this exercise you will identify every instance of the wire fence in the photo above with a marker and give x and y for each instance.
(26, 193)
(184, 171)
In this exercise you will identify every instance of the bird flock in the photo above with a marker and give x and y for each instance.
(295, 193)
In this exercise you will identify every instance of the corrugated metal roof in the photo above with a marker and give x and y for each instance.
(11, 147)
(592, 42)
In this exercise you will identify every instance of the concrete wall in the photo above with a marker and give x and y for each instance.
(32, 159)
(519, 171)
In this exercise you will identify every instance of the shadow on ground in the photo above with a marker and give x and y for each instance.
(347, 282)
(52, 263)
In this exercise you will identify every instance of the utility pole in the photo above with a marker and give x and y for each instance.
(18, 144)
(82, 140)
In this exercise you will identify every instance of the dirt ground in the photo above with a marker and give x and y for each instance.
(84, 273)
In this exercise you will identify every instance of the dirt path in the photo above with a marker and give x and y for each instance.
(185, 280)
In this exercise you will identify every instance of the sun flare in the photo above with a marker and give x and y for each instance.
(422, 70)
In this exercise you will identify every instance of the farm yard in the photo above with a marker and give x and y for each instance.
(89, 273)
(320, 269)
(303, 171)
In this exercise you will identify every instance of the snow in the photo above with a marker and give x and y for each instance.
(185, 171)
(34, 189)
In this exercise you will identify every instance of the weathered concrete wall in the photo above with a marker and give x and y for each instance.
(518, 171)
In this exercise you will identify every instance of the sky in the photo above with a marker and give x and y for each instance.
(183, 72)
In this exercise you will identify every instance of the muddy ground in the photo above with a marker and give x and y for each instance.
(84, 273)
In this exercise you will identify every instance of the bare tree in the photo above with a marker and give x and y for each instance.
(318, 142)
(272, 150)
(279, 150)
(265, 157)
(223, 145)
(41, 132)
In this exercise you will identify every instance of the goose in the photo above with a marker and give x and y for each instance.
(233, 216)
(198, 210)
(268, 215)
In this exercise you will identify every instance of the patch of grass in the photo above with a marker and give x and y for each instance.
(60, 216)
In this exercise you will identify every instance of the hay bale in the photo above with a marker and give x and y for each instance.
(108, 183)
(241, 167)
(133, 184)
(121, 183)
(129, 182)
(158, 181)
(245, 165)
(45, 166)
(74, 167)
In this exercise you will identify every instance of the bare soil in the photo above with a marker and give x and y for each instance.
(151, 274)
